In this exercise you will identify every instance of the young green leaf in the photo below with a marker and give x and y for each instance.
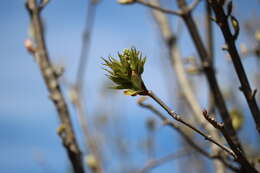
(126, 72)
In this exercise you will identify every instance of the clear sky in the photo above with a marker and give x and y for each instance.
(28, 121)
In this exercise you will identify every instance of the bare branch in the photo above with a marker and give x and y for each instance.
(230, 133)
(178, 118)
(40, 52)
(182, 132)
(171, 41)
(77, 89)
(222, 20)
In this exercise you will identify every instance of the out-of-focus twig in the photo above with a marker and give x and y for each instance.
(86, 38)
(77, 89)
(157, 162)
(51, 80)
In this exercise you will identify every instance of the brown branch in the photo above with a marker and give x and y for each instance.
(232, 138)
(178, 118)
(186, 137)
(51, 80)
(222, 20)
(230, 133)
(210, 74)
(171, 124)
(171, 41)
(210, 43)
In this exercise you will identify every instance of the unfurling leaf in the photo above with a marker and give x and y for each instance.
(126, 72)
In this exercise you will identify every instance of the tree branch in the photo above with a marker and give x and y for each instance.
(171, 41)
(78, 98)
(186, 137)
(230, 133)
(51, 80)
(222, 21)
(178, 118)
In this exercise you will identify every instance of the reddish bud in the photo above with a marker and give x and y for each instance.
(29, 46)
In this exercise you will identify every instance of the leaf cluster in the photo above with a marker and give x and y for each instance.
(126, 72)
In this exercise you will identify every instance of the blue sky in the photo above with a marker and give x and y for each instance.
(28, 119)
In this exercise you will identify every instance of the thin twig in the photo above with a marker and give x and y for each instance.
(86, 38)
(51, 80)
(210, 43)
(171, 124)
(178, 118)
(182, 132)
(78, 99)
(229, 131)
(222, 20)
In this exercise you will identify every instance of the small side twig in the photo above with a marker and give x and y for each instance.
(212, 120)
